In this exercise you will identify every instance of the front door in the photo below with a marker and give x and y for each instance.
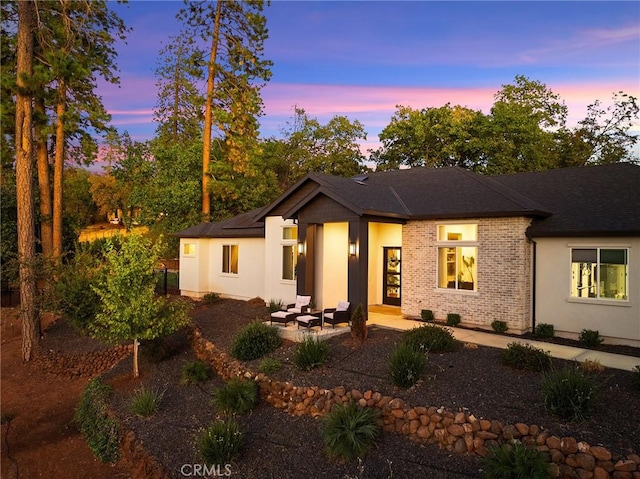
(391, 279)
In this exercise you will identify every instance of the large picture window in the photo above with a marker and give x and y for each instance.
(289, 252)
(599, 273)
(230, 258)
(457, 256)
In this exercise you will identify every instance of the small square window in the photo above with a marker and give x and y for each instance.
(189, 249)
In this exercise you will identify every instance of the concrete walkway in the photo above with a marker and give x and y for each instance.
(390, 317)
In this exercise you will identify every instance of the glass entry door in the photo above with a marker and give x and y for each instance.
(391, 287)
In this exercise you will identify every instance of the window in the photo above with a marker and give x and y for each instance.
(457, 253)
(599, 273)
(189, 249)
(230, 259)
(289, 252)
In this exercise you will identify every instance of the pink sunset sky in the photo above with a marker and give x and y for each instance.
(362, 58)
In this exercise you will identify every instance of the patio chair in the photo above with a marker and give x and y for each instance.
(340, 314)
(294, 309)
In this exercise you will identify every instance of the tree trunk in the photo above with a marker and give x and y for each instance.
(44, 183)
(58, 168)
(136, 373)
(24, 183)
(208, 115)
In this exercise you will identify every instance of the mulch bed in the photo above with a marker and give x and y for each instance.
(282, 446)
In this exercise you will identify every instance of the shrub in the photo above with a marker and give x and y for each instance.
(311, 352)
(590, 338)
(525, 356)
(427, 315)
(545, 330)
(211, 298)
(636, 376)
(254, 341)
(350, 430)
(591, 366)
(359, 324)
(499, 326)
(407, 365)
(275, 305)
(569, 393)
(195, 372)
(220, 442)
(269, 365)
(515, 461)
(145, 401)
(237, 396)
(431, 338)
(453, 319)
(99, 430)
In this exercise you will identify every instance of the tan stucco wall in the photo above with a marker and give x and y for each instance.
(504, 274)
(618, 321)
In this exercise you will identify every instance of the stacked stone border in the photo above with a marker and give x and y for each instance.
(461, 431)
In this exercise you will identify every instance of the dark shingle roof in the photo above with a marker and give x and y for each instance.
(585, 201)
(246, 225)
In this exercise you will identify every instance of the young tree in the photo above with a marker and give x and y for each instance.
(130, 309)
(236, 31)
(24, 180)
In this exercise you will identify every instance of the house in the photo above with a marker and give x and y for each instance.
(559, 247)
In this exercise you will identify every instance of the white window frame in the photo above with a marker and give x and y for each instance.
(189, 246)
(292, 243)
(598, 299)
(455, 244)
(230, 272)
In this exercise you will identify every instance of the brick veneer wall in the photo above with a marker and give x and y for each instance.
(504, 275)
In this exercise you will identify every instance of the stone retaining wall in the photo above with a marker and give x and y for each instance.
(82, 365)
(454, 431)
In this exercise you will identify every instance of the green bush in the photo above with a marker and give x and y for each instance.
(427, 315)
(275, 305)
(311, 353)
(569, 393)
(72, 294)
(99, 430)
(145, 402)
(211, 298)
(525, 356)
(350, 430)
(269, 365)
(515, 461)
(453, 319)
(221, 442)
(636, 376)
(499, 326)
(407, 365)
(237, 396)
(431, 338)
(195, 372)
(254, 341)
(545, 330)
(590, 338)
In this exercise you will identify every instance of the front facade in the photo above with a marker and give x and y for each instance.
(519, 248)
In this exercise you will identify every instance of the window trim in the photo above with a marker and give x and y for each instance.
(455, 244)
(230, 273)
(598, 299)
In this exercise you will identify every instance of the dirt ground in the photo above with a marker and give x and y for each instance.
(39, 438)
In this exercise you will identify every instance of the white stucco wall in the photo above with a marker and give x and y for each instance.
(334, 263)
(618, 321)
(201, 273)
(380, 235)
(274, 286)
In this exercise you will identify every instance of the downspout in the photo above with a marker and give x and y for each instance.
(533, 289)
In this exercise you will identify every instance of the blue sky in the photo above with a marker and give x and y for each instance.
(362, 58)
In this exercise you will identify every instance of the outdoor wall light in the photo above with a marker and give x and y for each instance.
(352, 248)
(300, 247)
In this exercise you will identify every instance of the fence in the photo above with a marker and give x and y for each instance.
(168, 281)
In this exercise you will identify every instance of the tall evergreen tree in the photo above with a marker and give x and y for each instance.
(236, 71)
